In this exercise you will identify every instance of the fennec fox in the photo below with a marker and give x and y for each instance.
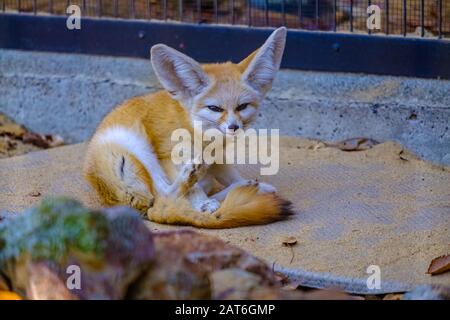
(129, 158)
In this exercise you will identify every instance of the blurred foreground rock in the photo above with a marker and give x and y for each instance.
(42, 248)
(117, 257)
(191, 265)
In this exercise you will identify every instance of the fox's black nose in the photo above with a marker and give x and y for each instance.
(233, 127)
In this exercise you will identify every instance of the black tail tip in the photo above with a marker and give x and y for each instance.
(286, 208)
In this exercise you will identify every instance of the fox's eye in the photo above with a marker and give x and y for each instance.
(215, 108)
(242, 106)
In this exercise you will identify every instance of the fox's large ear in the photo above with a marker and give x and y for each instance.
(260, 67)
(180, 75)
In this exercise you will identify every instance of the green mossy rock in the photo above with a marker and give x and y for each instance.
(111, 246)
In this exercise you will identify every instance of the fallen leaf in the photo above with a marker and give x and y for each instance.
(401, 155)
(317, 146)
(34, 194)
(16, 140)
(289, 241)
(10, 128)
(354, 144)
(439, 265)
(42, 141)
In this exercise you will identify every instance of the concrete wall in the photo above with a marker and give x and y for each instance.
(69, 94)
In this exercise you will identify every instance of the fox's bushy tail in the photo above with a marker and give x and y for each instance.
(243, 206)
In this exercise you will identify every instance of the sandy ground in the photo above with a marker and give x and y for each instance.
(381, 206)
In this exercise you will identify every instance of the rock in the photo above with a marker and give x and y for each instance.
(428, 292)
(41, 247)
(117, 257)
(233, 283)
(184, 262)
(238, 284)
(45, 284)
(191, 265)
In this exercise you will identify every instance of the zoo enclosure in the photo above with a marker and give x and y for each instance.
(425, 18)
(412, 39)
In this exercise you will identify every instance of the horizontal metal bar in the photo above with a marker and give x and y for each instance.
(335, 52)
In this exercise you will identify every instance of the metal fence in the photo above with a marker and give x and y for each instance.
(410, 18)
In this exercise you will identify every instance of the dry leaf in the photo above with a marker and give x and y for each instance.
(289, 241)
(317, 146)
(439, 265)
(401, 155)
(42, 141)
(10, 128)
(354, 144)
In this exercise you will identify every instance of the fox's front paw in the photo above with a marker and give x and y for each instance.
(192, 172)
(140, 202)
(262, 187)
(251, 182)
(209, 206)
(266, 188)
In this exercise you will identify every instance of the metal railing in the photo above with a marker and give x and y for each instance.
(422, 18)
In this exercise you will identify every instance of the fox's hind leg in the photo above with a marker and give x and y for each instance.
(230, 178)
(119, 178)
